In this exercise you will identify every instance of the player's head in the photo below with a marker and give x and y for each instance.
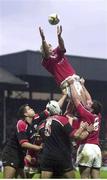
(50, 49)
(88, 104)
(26, 111)
(54, 108)
(96, 107)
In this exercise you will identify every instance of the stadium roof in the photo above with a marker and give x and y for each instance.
(8, 80)
(29, 63)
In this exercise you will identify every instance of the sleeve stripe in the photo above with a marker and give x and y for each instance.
(58, 121)
(23, 140)
(21, 126)
(41, 126)
(36, 116)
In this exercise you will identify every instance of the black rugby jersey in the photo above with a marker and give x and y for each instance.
(24, 132)
(56, 132)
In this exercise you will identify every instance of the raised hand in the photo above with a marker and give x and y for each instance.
(42, 33)
(59, 30)
(70, 81)
(83, 125)
(64, 91)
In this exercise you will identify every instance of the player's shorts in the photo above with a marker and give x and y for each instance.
(77, 84)
(89, 155)
(13, 158)
(54, 165)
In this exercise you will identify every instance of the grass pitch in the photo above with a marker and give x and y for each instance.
(37, 176)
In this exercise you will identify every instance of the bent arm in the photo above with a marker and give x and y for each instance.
(83, 135)
(84, 130)
(28, 145)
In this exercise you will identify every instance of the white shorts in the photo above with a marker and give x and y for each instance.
(77, 84)
(89, 155)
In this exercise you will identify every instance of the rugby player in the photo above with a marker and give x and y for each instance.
(15, 149)
(56, 154)
(89, 153)
(55, 62)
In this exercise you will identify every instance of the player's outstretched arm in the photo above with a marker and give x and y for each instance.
(86, 92)
(63, 98)
(60, 39)
(74, 97)
(44, 47)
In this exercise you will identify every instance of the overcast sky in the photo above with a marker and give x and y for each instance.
(84, 25)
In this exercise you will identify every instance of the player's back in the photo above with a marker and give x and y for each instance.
(57, 141)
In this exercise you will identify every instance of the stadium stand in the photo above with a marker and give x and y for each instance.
(26, 66)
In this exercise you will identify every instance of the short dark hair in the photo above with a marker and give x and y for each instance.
(97, 107)
(21, 111)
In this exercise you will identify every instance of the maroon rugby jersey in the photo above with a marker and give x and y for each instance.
(90, 118)
(57, 64)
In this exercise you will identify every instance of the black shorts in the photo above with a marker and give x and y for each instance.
(12, 157)
(55, 165)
